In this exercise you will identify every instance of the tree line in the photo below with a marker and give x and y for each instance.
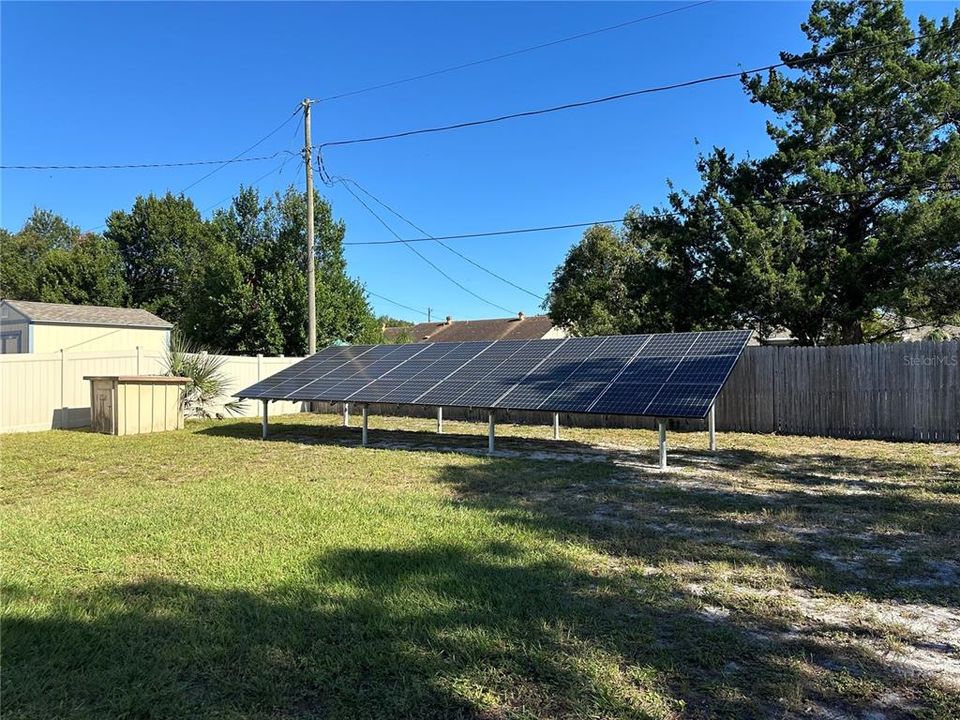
(848, 232)
(234, 283)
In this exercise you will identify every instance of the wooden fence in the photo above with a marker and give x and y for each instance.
(897, 391)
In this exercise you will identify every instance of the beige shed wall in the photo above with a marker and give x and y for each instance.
(93, 338)
(148, 408)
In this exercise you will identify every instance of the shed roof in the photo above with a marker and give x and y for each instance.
(62, 314)
(513, 328)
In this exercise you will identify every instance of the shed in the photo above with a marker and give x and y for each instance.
(135, 404)
(37, 327)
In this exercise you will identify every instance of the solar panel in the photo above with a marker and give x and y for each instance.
(663, 375)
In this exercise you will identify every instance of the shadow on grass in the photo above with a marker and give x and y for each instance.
(836, 523)
(426, 632)
(830, 529)
(408, 440)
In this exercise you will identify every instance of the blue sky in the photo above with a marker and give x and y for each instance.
(143, 82)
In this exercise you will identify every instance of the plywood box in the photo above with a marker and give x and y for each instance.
(133, 404)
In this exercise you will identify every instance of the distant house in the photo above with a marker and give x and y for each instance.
(36, 327)
(521, 327)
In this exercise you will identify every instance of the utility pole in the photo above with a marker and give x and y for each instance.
(311, 279)
(429, 311)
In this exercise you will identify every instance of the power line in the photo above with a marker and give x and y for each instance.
(278, 169)
(492, 233)
(398, 304)
(510, 54)
(935, 185)
(237, 157)
(443, 244)
(135, 166)
(620, 96)
(421, 255)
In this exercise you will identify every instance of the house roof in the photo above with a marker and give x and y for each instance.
(513, 328)
(61, 314)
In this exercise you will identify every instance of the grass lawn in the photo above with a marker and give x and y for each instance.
(205, 573)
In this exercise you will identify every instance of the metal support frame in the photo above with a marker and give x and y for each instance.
(263, 421)
(556, 426)
(346, 414)
(491, 430)
(363, 433)
(440, 420)
(662, 442)
(712, 426)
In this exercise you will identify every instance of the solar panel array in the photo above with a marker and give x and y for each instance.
(666, 375)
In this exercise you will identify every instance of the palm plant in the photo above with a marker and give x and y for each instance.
(207, 382)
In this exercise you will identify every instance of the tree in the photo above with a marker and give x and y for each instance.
(89, 273)
(846, 232)
(162, 240)
(867, 161)
(390, 321)
(250, 295)
(589, 294)
(49, 260)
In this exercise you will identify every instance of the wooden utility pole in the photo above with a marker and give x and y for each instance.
(311, 279)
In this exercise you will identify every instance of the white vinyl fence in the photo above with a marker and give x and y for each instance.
(42, 391)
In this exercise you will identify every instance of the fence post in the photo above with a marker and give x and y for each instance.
(63, 388)
(775, 374)
(259, 367)
(139, 358)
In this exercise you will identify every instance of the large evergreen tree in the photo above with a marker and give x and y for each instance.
(846, 233)
(868, 160)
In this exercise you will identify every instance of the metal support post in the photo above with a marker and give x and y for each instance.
(662, 428)
(363, 433)
(712, 426)
(490, 433)
(440, 420)
(556, 426)
(346, 414)
(263, 421)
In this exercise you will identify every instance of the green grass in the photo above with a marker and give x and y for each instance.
(205, 573)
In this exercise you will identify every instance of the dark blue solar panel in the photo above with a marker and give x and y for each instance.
(324, 363)
(682, 401)
(483, 394)
(676, 375)
(703, 370)
(409, 391)
(625, 398)
(377, 389)
(573, 397)
(444, 393)
(648, 370)
(728, 342)
(675, 345)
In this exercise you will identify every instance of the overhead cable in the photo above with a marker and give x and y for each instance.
(506, 55)
(793, 64)
(421, 255)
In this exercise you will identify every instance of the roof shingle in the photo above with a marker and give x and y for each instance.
(86, 315)
(530, 328)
